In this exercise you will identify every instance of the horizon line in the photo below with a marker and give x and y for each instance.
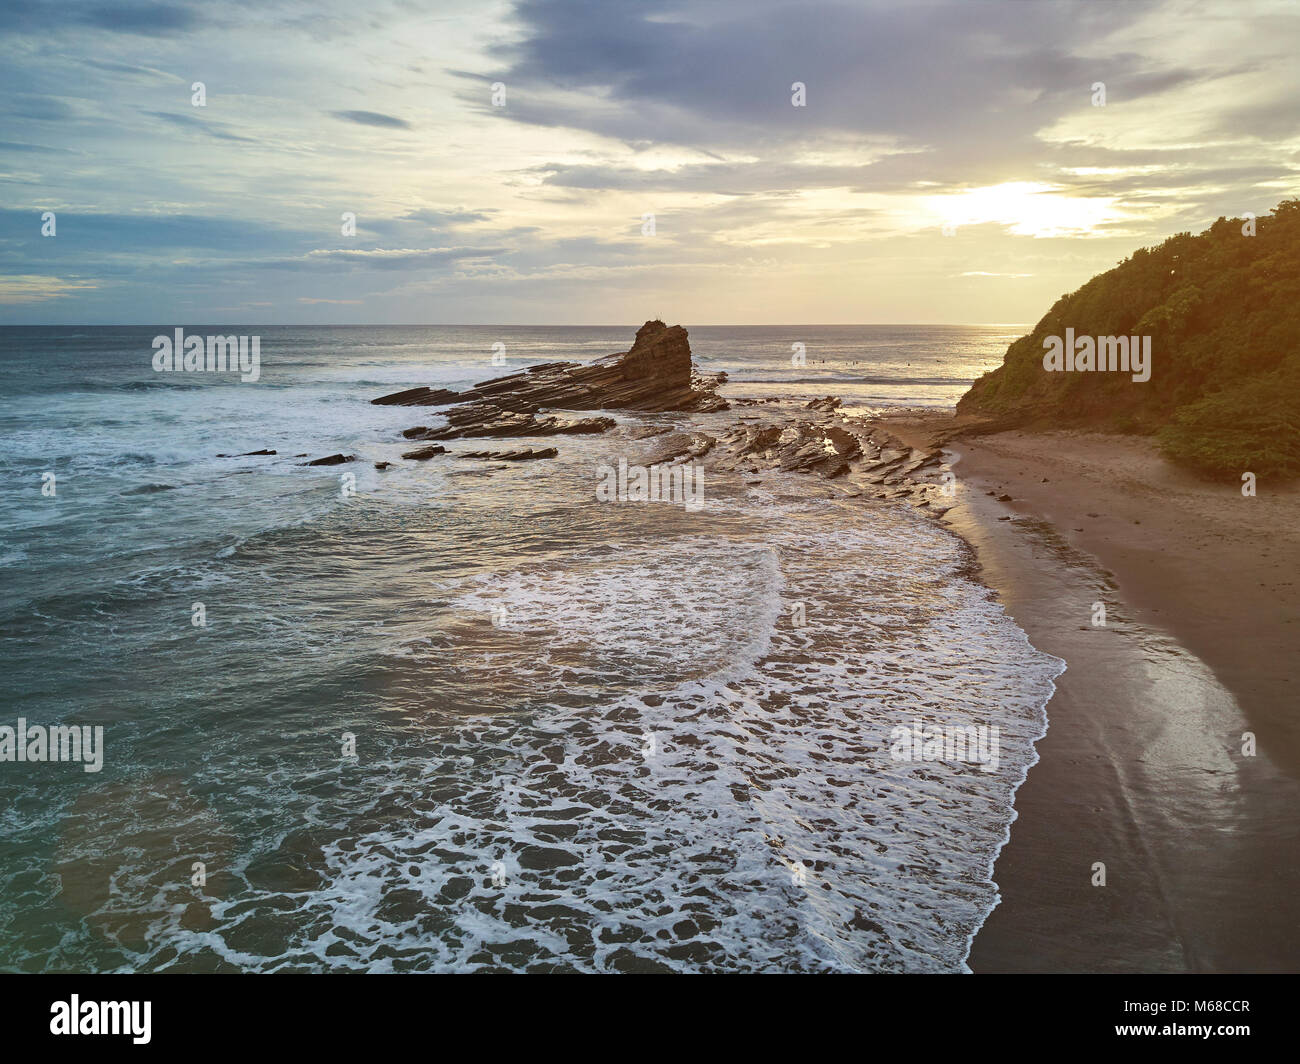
(503, 324)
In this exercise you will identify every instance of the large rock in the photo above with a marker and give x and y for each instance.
(655, 374)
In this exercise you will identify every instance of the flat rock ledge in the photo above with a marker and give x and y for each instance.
(862, 456)
(525, 455)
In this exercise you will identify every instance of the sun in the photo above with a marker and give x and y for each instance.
(1026, 208)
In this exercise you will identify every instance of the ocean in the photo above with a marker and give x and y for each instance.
(452, 717)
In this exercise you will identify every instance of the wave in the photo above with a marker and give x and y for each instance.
(664, 770)
(170, 381)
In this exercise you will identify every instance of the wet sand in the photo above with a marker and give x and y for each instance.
(1143, 767)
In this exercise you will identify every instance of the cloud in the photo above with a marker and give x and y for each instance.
(722, 73)
(37, 288)
(84, 233)
(39, 108)
(136, 71)
(9, 145)
(146, 20)
(417, 225)
(372, 118)
(448, 218)
(194, 124)
(395, 258)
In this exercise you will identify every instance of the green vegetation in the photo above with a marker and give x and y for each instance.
(1223, 312)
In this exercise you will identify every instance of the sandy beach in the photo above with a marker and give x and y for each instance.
(1143, 767)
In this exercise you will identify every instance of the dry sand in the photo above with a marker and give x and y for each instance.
(1143, 767)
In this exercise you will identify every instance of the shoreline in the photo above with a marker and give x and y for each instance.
(1142, 767)
(1144, 837)
(1143, 776)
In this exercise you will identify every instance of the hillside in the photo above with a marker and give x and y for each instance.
(1223, 313)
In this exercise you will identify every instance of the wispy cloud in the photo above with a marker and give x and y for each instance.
(372, 118)
(194, 124)
(36, 288)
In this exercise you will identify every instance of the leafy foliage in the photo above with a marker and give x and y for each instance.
(1223, 312)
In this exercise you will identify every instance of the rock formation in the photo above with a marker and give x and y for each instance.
(656, 374)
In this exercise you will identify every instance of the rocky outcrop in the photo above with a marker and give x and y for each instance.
(677, 446)
(860, 452)
(423, 454)
(829, 403)
(524, 455)
(801, 447)
(332, 459)
(486, 419)
(655, 374)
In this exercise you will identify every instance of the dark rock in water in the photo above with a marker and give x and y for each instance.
(864, 923)
(424, 453)
(246, 454)
(416, 397)
(654, 374)
(486, 419)
(333, 459)
(382, 465)
(527, 454)
(829, 403)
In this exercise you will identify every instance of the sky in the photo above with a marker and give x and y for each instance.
(605, 162)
